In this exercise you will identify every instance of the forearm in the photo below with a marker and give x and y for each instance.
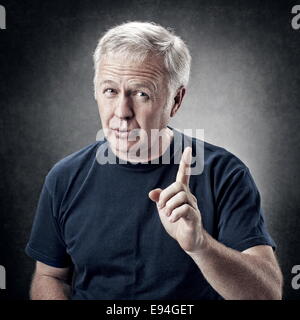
(235, 275)
(49, 288)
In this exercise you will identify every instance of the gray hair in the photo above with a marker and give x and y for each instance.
(137, 40)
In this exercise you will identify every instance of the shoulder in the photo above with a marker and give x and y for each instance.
(224, 171)
(219, 159)
(216, 158)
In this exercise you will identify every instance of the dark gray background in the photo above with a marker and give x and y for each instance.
(244, 92)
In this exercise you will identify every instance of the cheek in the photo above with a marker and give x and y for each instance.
(105, 110)
(156, 116)
(146, 117)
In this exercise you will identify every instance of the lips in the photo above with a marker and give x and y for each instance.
(119, 130)
(121, 133)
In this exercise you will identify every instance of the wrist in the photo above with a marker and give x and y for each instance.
(201, 246)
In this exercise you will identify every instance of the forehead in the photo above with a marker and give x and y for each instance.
(115, 66)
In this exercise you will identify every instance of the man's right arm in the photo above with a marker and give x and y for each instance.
(50, 283)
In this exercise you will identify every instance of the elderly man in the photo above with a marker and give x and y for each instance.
(148, 229)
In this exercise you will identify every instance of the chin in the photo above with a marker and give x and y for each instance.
(120, 145)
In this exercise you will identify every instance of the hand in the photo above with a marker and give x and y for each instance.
(178, 210)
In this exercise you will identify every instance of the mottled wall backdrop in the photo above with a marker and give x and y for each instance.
(244, 92)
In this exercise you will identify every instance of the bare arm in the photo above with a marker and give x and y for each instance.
(251, 274)
(50, 283)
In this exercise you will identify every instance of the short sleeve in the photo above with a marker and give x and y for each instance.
(241, 222)
(46, 243)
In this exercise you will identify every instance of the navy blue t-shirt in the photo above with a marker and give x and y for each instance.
(99, 220)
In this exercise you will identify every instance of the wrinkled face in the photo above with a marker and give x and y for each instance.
(132, 97)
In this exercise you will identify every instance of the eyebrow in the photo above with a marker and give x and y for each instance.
(108, 82)
(143, 84)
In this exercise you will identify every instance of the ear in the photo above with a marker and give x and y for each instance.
(177, 100)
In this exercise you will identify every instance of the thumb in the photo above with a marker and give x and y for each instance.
(154, 194)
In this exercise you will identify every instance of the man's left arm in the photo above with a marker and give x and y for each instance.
(251, 274)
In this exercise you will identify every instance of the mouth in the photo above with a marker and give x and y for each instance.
(123, 134)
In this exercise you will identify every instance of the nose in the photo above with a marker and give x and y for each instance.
(123, 108)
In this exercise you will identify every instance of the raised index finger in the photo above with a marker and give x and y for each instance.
(184, 170)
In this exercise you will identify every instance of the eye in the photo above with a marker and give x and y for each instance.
(142, 95)
(109, 91)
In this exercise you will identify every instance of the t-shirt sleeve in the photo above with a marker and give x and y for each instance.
(46, 242)
(241, 222)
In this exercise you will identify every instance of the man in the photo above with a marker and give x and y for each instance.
(145, 229)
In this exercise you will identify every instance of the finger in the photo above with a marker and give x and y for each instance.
(154, 194)
(176, 201)
(168, 193)
(183, 211)
(184, 170)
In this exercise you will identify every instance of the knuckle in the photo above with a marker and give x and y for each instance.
(168, 204)
(162, 199)
(193, 197)
(162, 195)
(186, 207)
(184, 196)
(175, 214)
